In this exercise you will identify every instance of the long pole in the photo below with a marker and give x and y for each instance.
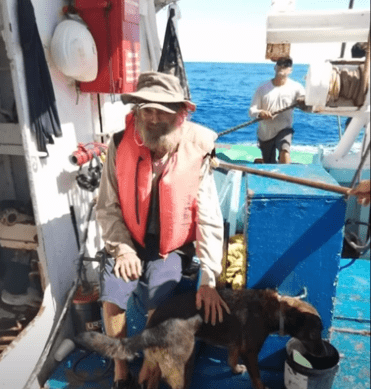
(278, 176)
(245, 124)
(343, 44)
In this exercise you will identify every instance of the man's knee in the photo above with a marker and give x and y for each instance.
(285, 156)
(114, 320)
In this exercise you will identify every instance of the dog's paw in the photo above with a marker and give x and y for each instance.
(88, 339)
(239, 369)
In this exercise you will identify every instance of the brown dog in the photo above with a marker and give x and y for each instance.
(168, 340)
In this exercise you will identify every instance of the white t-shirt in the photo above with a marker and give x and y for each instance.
(273, 98)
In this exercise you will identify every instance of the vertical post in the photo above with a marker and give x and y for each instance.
(343, 44)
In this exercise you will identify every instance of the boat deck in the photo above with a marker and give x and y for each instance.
(350, 335)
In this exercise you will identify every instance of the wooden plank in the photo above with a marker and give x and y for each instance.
(277, 50)
(11, 149)
(19, 236)
(283, 177)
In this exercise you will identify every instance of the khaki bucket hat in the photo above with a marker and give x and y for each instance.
(158, 90)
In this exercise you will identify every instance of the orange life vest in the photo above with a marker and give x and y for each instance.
(177, 186)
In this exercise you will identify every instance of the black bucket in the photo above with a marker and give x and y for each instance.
(313, 372)
(86, 310)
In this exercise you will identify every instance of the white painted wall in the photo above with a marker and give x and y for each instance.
(53, 188)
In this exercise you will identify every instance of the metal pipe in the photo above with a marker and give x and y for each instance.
(339, 128)
(343, 44)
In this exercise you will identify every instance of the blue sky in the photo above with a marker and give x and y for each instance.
(234, 30)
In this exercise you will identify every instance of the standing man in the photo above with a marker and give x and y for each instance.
(157, 197)
(275, 132)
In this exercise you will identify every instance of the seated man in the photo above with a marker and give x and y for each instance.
(157, 195)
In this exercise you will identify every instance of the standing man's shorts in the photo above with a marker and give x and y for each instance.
(157, 283)
(282, 141)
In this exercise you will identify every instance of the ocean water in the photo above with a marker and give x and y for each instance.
(223, 93)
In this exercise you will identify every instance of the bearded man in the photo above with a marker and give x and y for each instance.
(157, 199)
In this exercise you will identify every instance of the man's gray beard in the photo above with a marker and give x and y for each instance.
(160, 139)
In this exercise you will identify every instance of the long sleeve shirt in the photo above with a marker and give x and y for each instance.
(209, 235)
(269, 97)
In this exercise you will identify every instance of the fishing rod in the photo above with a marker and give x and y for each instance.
(283, 177)
(245, 124)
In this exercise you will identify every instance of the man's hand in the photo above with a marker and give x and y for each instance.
(265, 115)
(301, 104)
(128, 266)
(362, 191)
(213, 303)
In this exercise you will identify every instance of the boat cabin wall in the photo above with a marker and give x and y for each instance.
(49, 182)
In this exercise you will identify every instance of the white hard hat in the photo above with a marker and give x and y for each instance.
(74, 51)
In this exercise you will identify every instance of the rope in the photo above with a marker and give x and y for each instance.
(360, 248)
(245, 124)
(350, 84)
(366, 78)
(360, 166)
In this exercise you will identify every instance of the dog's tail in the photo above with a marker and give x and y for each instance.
(103, 344)
(164, 335)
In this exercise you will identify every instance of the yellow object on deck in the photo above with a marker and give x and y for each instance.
(234, 263)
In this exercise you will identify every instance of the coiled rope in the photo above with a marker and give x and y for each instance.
(350, 84)
(347, 84)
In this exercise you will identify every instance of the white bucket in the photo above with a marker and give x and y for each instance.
(320, 376)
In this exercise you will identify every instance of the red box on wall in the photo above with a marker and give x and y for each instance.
(114, 26)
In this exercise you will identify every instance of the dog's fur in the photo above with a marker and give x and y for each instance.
(168, 340)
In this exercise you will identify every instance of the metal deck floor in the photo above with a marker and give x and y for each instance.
(350, 335)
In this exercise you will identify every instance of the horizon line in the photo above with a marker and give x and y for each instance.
(249, 62)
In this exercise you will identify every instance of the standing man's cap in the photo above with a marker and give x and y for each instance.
(158, 90)
(284, 62)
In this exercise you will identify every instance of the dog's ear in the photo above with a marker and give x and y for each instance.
(303, 325)
(108, 347)
(293, 321)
